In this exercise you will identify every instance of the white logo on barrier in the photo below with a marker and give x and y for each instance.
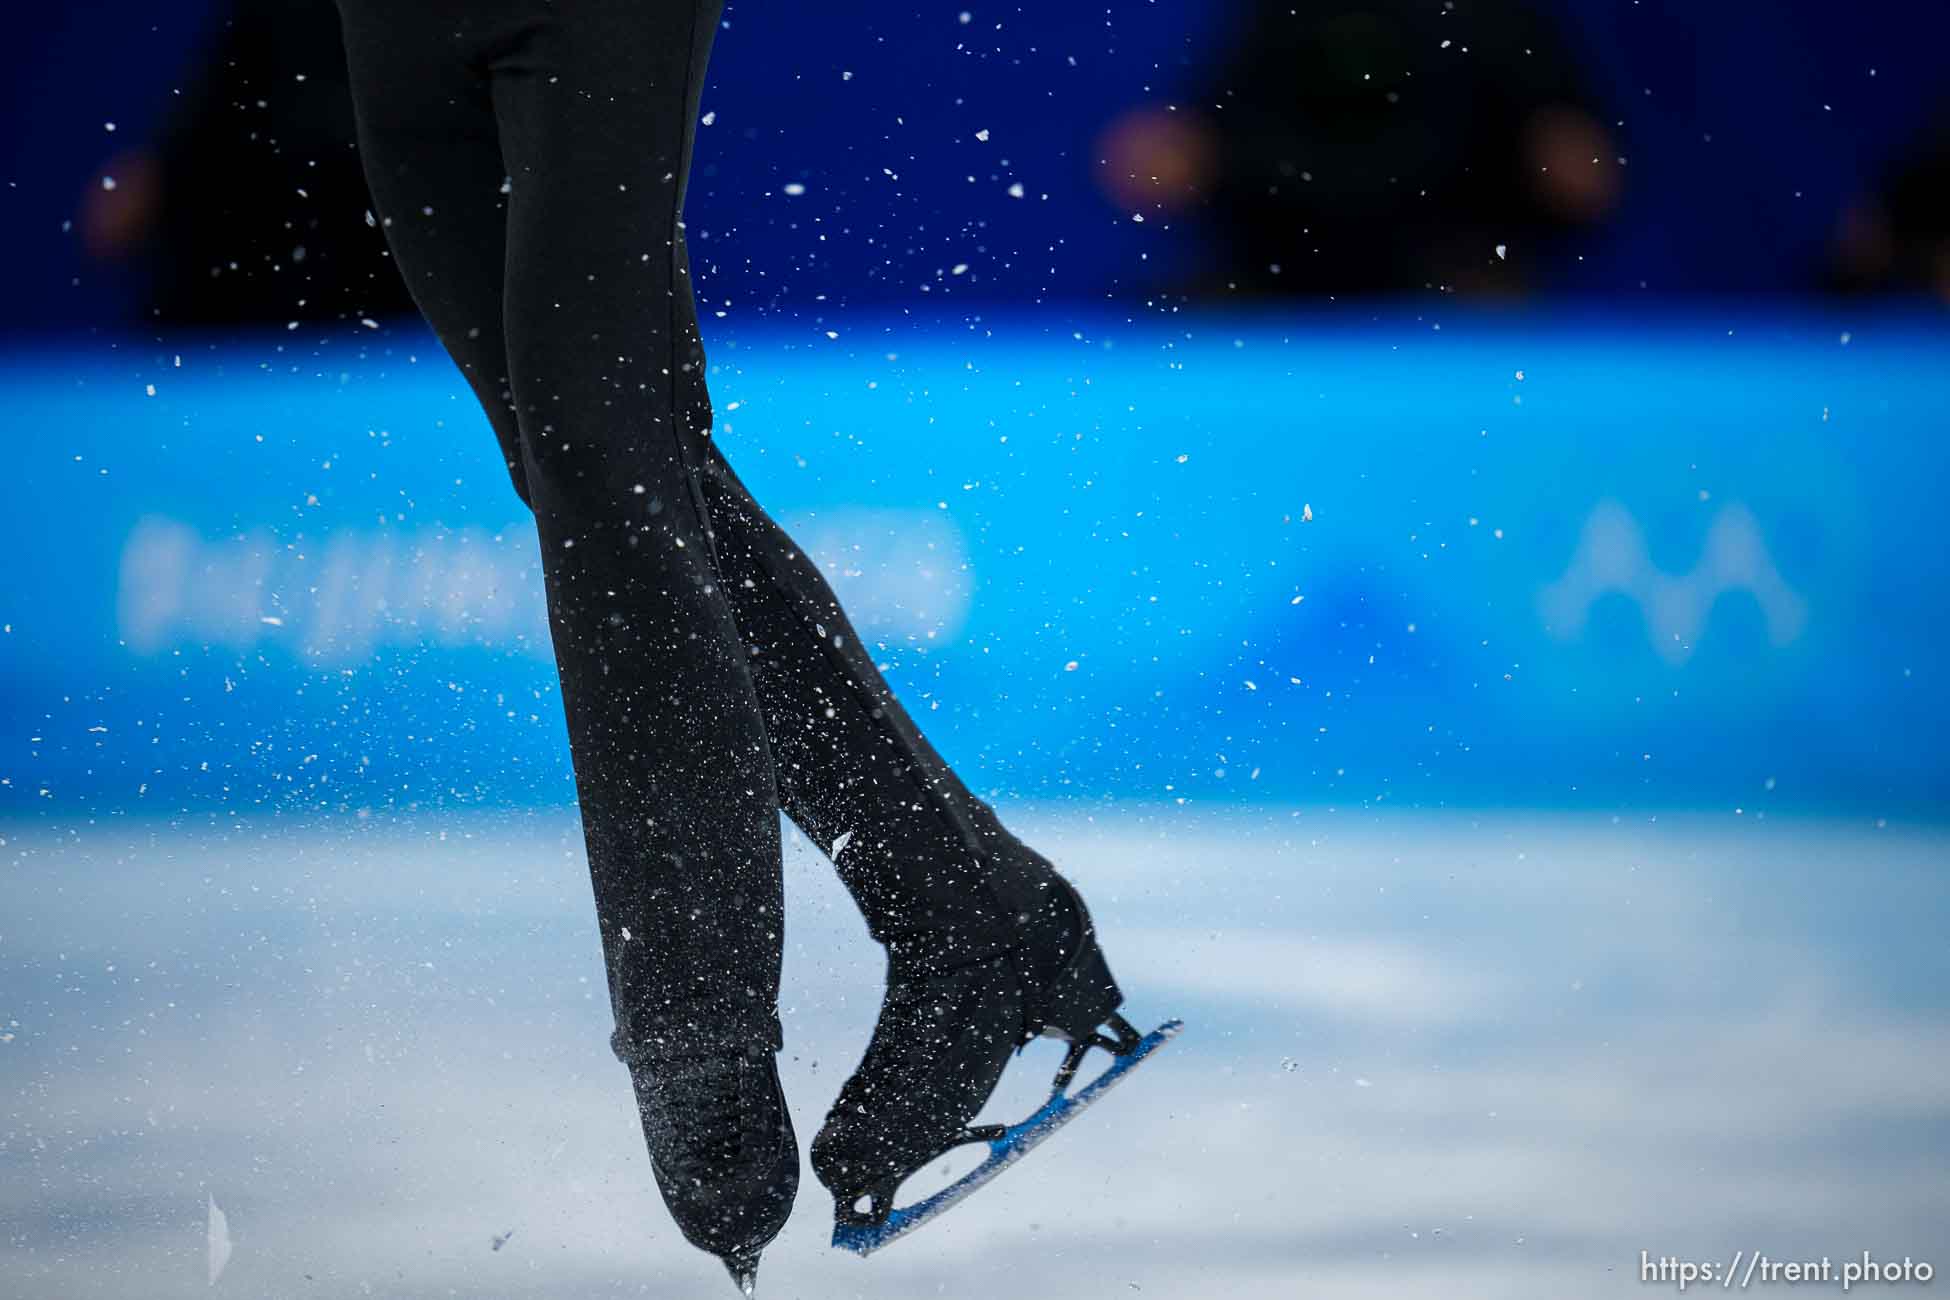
(899, 574)
(1612, 557)
(332, 599)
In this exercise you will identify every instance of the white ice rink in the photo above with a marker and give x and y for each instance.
(1427, 1055)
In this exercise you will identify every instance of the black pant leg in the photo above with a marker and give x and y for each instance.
(928, 862)
(596, 102)
(592, 107)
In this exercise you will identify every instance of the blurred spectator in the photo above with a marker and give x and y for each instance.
(1899, 237)
(1377, 145)
(250, 204)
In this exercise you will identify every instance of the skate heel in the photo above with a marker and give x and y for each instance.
(1082, 1001)
(1083, 995)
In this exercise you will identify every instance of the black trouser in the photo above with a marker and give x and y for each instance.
(528, 160)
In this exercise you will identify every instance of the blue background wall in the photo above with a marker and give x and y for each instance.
(1678, 559)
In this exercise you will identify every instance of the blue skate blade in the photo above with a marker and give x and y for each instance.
(1016, 1142)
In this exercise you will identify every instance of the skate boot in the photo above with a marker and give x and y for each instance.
(946, 1031)
(721, 1144)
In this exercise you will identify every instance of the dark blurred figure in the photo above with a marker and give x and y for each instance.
(1899, 237)
(250, 206)
(1350, 146)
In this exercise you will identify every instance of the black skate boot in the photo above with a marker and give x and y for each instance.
(721, 1144)
(945, 1033)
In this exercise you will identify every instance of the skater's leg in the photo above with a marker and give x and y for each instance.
(645, 641)
(589, 105)
(928, 862)
(987, 944)
(429, 142)
(673, 767)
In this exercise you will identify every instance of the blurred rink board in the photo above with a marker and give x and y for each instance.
(1537, 558)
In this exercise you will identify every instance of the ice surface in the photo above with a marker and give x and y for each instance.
(1419, 1041)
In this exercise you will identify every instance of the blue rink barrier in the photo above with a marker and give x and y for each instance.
(1677, 560)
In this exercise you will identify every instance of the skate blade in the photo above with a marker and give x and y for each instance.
(744, 1272)
(1016, 1141)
